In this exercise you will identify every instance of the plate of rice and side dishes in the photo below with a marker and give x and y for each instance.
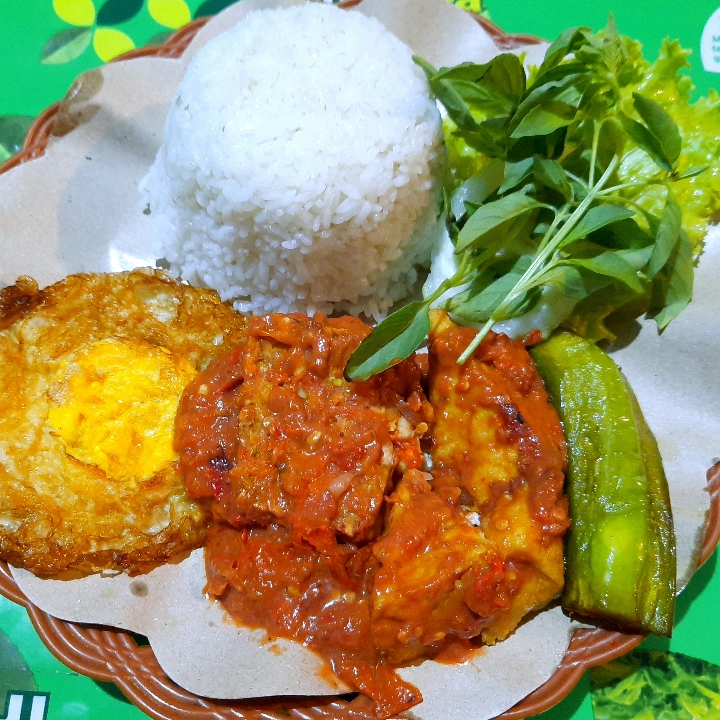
(364, 369)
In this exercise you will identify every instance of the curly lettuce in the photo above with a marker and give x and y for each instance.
(699, 123)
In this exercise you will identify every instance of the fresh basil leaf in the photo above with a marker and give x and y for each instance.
(625, 235)
(621, 257)
(611, 141)
(540, 95)
(559, 72)
(543, 119)
(393, 340)
(573, 281)
(638, 258)
(473, 93)
(489, 216)
(467, 305)
(479, 305)
(661, 125)
(487, 137)
(444, 204)
(590, 54)
(642, 137)
(506, 76)
(552, 175)
(515, 174)
(427, 68)
(652, 220)
(453, 102)
(472, 72)
(493, 88)
(567, 279)
(481, 280)
(689, 173)
(590, 315)
(595, 98)
(477, 188)
(614, 43)
(596, 218)
(545, 145)
(667, 237)
(562, 47)
(522, 304)
(673, 285)
(511, 237)
(571, 96)
(612, 265)
(483, 97)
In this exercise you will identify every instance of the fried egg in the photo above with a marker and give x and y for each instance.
(91, 374)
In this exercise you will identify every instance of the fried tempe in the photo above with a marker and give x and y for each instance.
(91, 372)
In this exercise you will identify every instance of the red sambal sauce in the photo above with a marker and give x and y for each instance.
(327, 530)
(295, 463)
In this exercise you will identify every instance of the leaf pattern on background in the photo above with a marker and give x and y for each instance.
(75, 12)
(211, 7)
(160, 38)
(109, 43)
(170, 13)
(89, 26)
(476, 6)
(114, 12)
(65, 46)
(645, 685)
(14, 672)
(13, 129)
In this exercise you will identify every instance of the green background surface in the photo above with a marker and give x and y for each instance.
(649, 21)
(27, 87)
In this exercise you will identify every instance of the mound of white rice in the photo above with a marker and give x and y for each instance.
(297, 167)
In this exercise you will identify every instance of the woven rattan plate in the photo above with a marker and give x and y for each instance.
(113, 655)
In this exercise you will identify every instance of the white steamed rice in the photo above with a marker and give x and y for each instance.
(297, 170)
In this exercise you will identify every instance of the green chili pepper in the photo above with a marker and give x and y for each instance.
(620, 550)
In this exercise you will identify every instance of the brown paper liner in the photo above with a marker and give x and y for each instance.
(113, 655)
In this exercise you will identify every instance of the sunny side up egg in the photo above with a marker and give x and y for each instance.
(91, 374)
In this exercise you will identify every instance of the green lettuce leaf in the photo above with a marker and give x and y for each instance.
(699, 123)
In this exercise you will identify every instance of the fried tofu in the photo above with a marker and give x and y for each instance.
(427, 557)
(472, 548)
(499, 440)
(91, 373)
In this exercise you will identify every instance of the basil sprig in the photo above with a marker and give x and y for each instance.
(546, 220)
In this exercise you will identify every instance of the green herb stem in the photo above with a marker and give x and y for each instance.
(538, 263)
(580, 181)
(559, 217)
(593, 153)
(628, 186)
